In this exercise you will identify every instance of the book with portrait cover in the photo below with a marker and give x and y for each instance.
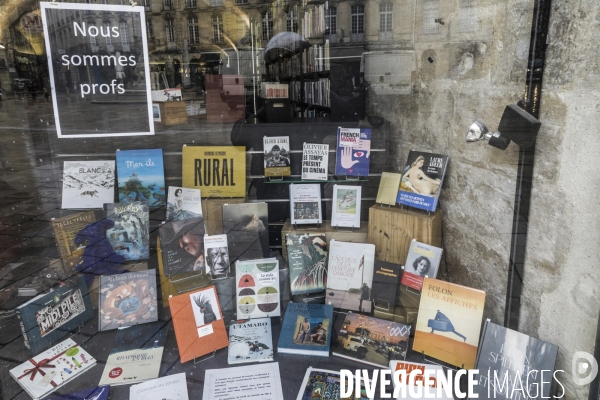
(386, 277)
(130, 236)
(247, 228)
(182, 245)
(305, 204)
(370, 340)
(449, 322)
(388, 188)
(183, 203)
(136, 354)
(515, 358)
(250, 341)
(88, 184)
(215, 170)
(422, 260)
(323, 384)
(306, 329)
(345, 210)
(307, 260)
(217, 255)
(424, 370)
(198, 323)
(141, 176)
(168, 387)
(315, 161)
(422, 180)
(48, 317)
(127, 299)
(353, 152)
(257, 288)
(277, 156)
(66, 228)
(350, 275)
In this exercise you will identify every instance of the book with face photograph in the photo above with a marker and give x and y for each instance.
(422, 260)
(217, 255)
(141, 176)
(307, 260)
(88, 184)
(422, 180)
(257, 288)
(277, 156)
(305, 204)
(250, 341)
(247, 228)
(353, 151)
(182, 245)
(306, 329)
(345, 210)
(183, 203)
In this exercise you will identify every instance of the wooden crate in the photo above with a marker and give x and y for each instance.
(172, 112)
(392, 229)
(358, 235)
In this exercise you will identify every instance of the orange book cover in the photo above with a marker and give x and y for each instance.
(198, 323)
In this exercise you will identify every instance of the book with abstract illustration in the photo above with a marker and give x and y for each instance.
(422, 260)
(345, 210)
(307, 260)
(247, 228)
(250, 341)
(353, 152)
(449, 322)
(182, 246)
(323, 384)
(305, 204)
(183, 203)
(257, 288)
(141, 176)
(65, 229)
(277, 156)
(130, 235)
(88, 184)
(422, 180)
(127, 299)
(306, 329)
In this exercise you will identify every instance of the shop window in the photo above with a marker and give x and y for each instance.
(357, 23)
(267, 25)
(193, 30)
(385, 21)
(291, 20)
(217, 27)
(331, 23)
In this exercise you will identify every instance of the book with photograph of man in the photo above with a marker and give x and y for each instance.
(182, 245)
(277, 156)
(422, 260)
(183, 203)
(306, 329)
(422, 180)
(217, 255)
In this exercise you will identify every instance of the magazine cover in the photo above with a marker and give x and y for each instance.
(277, 156)
(345, 211)
(141, 176)
(306, 329)
(167, 387)
(215, 170)
(66, 228)
(136, 354)
(257, 289)
(250, 341)
(422, 260)
(422, 180)
(388, 188)
(247, 228)
(353, 151)
(370, 340)
(350, 276)
(305, 204)
(130, 235)
(182, 244)
(88, 184)
(315, 161)
(127, 299)
(427, 391)
(525, 353)
(322, 384)
(217, 254)
(183, 203)
(307, 260)
(449, 322)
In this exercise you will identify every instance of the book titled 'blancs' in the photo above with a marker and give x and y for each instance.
(88, 184)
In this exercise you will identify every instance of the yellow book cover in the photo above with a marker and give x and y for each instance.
(388, 188)
(215, 170)
(449, 322)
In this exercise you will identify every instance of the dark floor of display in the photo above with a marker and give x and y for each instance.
(30, 198)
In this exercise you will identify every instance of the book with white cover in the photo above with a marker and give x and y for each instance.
(217, 254)
(88, 184)
(345, 210)
(257, 288)
(315, 161)
(305, 204)
(428, 371)
(183, 203)
(167, 387)
(250, 341)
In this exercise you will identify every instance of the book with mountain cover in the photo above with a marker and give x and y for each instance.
(141, 176)
(88, 184)
(307, 259)
(250, 341)
(422, 180)
(306, 329)
(130, 235)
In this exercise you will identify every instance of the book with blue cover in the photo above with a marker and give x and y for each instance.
(422, 180)
(306, 329)
(98, 393)
(48, 317)
(353, 151)
(141, 176)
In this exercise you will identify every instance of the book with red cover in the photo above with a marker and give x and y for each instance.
(198, 323)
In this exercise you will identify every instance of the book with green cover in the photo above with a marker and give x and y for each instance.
(307, 259)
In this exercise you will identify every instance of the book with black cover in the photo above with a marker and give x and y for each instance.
(247, 228)
(130, 235)
(386, 277)
(182, 245)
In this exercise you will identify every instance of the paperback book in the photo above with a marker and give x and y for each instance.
(127, 299)
(217, 255)
(353, 151)
(130, 235)
(183, 203)
(386, 277)
(88, 184)
(315, 161)
(422, 180)
(50, 370)
(424, 389)
(307, 260)
(182, 245)
(323, 384)
(167, 387)
(247, 228)
(257, 288)
(306, 329)
(250, 341)
(345, 211)
(388, 188)
(141, 176)
(136, 354)
(65, 230)
(47, 318)
(216, 170)
(370, 340)
(422, 260)
(449, 322)
(305, 204)
(350, 276)
(277, 156)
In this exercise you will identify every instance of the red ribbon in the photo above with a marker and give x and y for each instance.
(38, 365)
